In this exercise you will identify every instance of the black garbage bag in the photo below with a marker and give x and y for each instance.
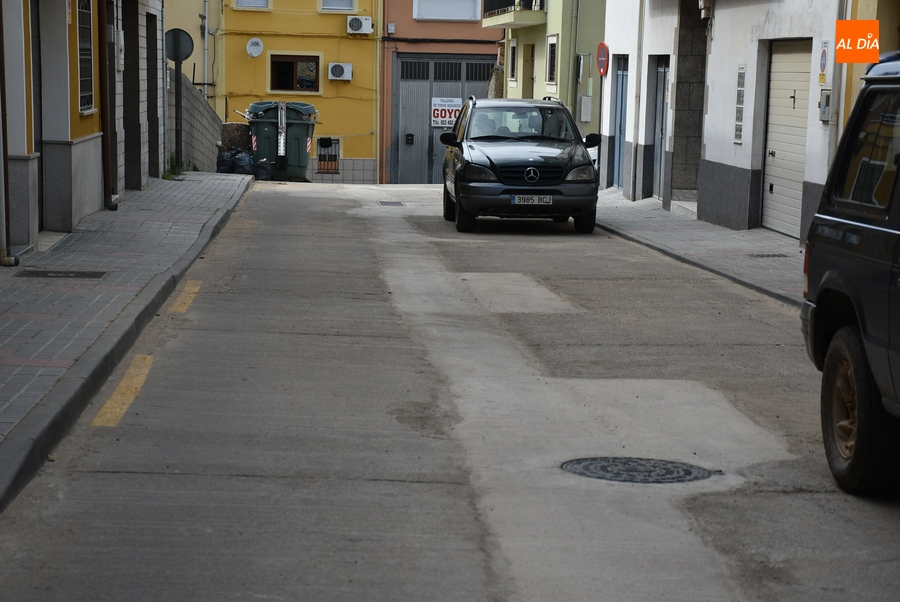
(225, 161)
(243, 163)
(262, 170)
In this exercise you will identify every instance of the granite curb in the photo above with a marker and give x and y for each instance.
(25, 449)
(703, 265)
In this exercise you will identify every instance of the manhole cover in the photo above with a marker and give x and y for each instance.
(390, 203)
(60, 274)
(637, 470)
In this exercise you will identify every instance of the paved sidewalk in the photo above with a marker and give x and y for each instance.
(761, 259)
(65, 327)
(69, 314)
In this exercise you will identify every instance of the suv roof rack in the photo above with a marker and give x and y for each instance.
(888, 65)
(551, 98)
(472, 98)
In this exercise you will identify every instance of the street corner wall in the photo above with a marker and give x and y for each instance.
(201, 127)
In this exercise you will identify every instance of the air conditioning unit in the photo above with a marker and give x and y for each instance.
(340, 71)
(361, 25)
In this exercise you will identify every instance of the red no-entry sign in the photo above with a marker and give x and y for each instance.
(602, 59)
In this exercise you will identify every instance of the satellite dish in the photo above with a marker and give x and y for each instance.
(254, 47)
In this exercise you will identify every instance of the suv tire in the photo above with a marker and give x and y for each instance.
(861, 438)
(585, 224)
(449, 205)
(465, 221)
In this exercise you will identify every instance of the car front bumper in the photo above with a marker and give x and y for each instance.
(494, 199)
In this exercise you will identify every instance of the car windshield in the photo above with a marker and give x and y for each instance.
(521, 122)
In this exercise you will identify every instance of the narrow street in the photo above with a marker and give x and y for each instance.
(346, 399)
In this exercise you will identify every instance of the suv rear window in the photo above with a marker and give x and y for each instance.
(869, 165)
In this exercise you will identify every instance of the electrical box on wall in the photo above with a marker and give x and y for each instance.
(340, 71)
(825, 105)
(361, 25)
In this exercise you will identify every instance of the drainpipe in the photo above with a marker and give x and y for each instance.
(104, 105)
(8, 260)
(206, 50)
(637, 101)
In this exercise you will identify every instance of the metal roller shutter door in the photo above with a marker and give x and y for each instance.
(786, 136)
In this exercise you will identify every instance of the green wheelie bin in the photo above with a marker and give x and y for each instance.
(281, 133)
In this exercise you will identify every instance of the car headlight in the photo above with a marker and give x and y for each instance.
(585, 173)
(477, 173)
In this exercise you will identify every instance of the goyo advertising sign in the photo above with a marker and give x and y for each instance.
(444, 111)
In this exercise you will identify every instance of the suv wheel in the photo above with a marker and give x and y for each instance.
(584, 224)
(449, 205)
(465, 221)
(861, 438)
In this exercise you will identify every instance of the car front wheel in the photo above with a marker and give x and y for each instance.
(862, 441)
(585, 224)
(449, 205)
(465, 221)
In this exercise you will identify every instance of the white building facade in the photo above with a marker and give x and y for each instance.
(735, 107)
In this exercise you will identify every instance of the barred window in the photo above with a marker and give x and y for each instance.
(551, 60)
(447, 72)
(85, 55)
(478, 72)
(414, 70)
(328, 153)
(251, 4)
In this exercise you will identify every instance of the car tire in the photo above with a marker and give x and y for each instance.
(465, 221)
(449, 205)
(861, 438)
(585, 224)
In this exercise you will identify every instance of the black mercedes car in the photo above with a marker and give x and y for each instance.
(519, 158)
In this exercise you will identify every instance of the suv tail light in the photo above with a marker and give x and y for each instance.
(806, 271)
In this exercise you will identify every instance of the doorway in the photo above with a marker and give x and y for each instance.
(621, 119)
(37, 105)
(528, 71)
(659, 136)
(785, 159)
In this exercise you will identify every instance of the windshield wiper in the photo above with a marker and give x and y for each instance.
(540, 137)
(493, 137)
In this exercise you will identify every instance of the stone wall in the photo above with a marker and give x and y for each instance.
(201, 128)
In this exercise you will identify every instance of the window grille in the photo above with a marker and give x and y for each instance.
(414, 70)
(478, 72)
(85, 56)
(447, 72)
(551, 60)
(328, 152)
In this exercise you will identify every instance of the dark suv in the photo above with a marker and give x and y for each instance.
(518, 158)
(851, 314)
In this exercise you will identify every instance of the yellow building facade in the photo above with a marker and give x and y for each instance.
(321, 52)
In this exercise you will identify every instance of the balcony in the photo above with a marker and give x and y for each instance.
(513, 14)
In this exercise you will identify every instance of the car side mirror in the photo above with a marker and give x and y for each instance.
(592, 140)
(449, 138)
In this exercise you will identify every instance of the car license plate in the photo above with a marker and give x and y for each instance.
(531, 199)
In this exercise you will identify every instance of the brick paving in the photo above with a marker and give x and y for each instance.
(48, 323)
(761, 259)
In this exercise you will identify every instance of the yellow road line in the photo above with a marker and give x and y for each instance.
(184, 300)
(120, 400)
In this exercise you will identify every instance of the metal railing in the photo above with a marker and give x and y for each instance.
(498, 7)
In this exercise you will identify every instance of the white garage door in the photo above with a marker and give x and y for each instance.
(786, 136)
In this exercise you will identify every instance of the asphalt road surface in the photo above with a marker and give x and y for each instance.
(348, 400)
